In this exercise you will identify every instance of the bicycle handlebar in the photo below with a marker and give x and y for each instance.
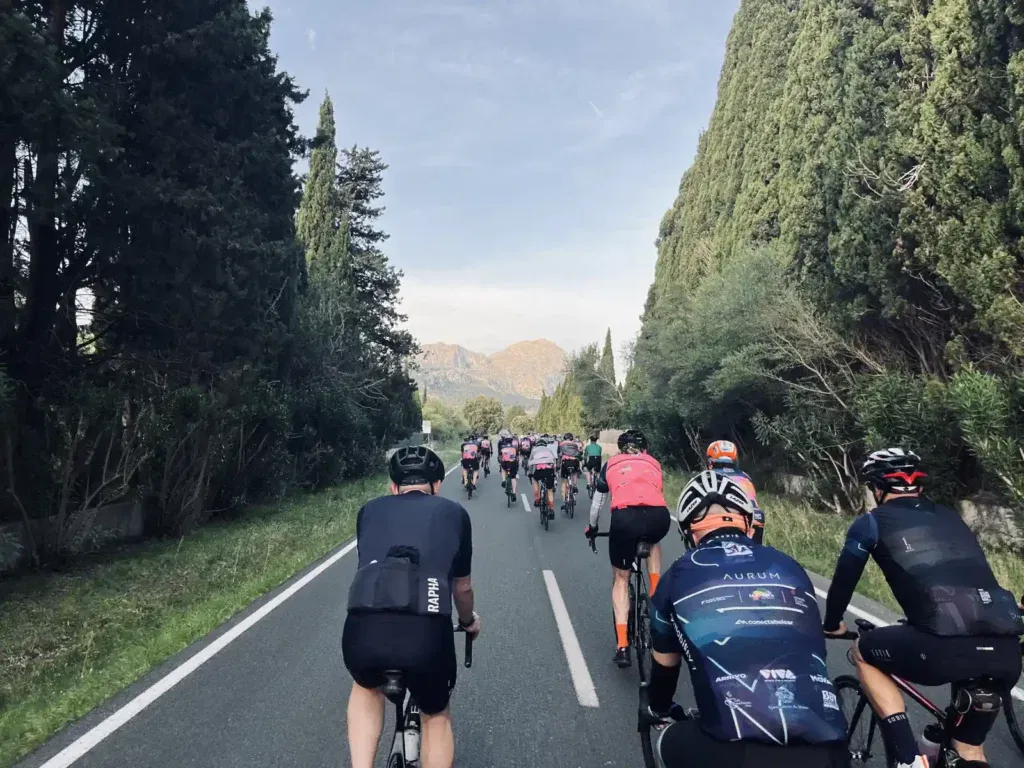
(469, 646)
(594, 537)
(848, 635)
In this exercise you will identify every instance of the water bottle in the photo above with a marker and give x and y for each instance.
(411, 736)
(928, 743)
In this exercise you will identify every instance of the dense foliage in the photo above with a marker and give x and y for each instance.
(163, 337)
(843, 266)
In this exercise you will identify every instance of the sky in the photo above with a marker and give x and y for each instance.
(533, 145)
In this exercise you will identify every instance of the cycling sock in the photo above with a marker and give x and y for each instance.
(655, 578)
(620, 635)
(900, 735)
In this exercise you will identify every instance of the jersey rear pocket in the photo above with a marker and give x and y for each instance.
(968, 611)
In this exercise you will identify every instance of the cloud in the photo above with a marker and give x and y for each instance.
(487, 309)
(311, 38)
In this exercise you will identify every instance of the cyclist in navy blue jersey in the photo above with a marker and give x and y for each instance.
(960, 625)
(744, 617)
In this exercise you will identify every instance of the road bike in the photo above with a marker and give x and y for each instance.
(545, 518)
(638, 634)
(848, 689)
(405, 744)
(469, 483)
(570, 499)
(510, 495)
(591, 483)
(487, 465)
(1011, 717)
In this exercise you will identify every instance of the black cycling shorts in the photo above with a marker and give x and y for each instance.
(631, 525)
(570, 467)
(473, 464)
(685, 745)
(511, 468)
(927, 659)
(545, 476)
(594, 463)
(422, 647)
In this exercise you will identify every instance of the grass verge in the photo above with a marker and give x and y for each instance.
(70, 640)
(815, 538)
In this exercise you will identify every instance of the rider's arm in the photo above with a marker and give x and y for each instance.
(860, 540)
(600, 491)
(462, 586)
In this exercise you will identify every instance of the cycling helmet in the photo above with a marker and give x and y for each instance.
(594, 436)
(415, 465)
(632, 437)
(722, 452)
(893, 470)
(703, 491)
(568, 436)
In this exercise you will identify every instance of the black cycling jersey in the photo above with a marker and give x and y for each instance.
(744, 617)
(934, 565)
(410, 547)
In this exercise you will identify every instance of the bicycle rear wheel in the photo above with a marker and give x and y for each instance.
(642, 633)
(863, 725)
(1013, 723)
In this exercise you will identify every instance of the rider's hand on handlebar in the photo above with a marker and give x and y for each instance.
(840, 631)
(474, 628)
(590, 531)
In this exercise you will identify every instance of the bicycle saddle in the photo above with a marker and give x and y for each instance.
(394, 686)
(643, 549)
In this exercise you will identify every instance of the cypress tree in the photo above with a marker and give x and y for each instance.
(318, 216)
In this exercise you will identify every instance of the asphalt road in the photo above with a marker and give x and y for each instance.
(276, 695)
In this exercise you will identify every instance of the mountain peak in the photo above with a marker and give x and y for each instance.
(517, 375)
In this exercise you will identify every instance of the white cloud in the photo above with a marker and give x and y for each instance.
(311, 38)
(487, 308)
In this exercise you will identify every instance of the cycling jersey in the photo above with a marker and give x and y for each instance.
(633, 480)
(542, 456)
(508, 454)
(592, 449)
(568, 450)
(470, 451)
(935, 567)
(525, 444)
(485, 445)
(742, 479)
(745, 619)
(410, 547)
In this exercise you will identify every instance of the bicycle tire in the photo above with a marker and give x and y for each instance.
(643, 636)
(1013, 723)
(647, 747)
(859, 754)
(397, 761)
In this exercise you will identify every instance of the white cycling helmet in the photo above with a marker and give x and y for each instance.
(703, 491)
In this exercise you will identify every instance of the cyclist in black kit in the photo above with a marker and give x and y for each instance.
(745, 618)
(960, 623)
(414, 537)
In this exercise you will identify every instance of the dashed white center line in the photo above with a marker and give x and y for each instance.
(526, 504)
(586, 693)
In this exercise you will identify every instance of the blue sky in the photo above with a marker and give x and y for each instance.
(534, 146)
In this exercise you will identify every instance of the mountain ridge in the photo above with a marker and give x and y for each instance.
(516, 375)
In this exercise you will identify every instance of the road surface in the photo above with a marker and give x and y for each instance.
(276, 694)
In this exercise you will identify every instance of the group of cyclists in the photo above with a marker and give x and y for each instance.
(544, 457)
(741, 614)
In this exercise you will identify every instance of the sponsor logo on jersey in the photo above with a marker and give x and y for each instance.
(723, 678)
(752, 576)
(784, 696)
(433, 595)
(732, 549)
(777, 674)
(763, 623)
(799, 601)
(829, 700)
(821, 679)
(762, 594)
(733, 703)
(716, 599)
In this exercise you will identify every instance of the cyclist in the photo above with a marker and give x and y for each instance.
(485, 451)
(745, 617)
(525, 446)
(508, 461)
(413, 534)
(723, 458)
(960, 623)
(592, 459)
(541, 466)
(569, 465)
(633, 479)
(470, 458)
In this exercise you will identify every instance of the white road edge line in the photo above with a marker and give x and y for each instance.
(861, 614)
(83, 744)
(526, 504)
(586, 693)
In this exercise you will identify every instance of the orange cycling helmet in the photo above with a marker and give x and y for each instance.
(722, 452)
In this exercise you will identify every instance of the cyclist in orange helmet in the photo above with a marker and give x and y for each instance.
(723, 459)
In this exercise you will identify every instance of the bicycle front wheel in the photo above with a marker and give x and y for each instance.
(1012, 722)
(863, 723)
(647, 747)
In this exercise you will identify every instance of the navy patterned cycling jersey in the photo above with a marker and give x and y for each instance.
(935, 567)
(745, 619)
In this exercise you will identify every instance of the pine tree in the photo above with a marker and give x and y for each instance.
(606, 368)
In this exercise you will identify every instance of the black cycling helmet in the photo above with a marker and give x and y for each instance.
(594, 436)
(703, 491)
(415, 465)
(632, 437)
(893, 470)
(567, 436)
